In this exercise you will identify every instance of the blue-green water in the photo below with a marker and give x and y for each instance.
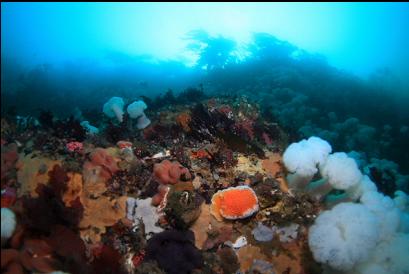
(302, 62)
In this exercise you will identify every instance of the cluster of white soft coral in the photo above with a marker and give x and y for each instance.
(337, 171)
(114, 108)
(366, 231)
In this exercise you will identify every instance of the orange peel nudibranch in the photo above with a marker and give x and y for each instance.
(234, 203)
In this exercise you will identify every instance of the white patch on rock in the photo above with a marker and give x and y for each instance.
(138, 209)
(240, 242)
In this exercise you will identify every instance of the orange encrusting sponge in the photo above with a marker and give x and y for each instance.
(235, 203)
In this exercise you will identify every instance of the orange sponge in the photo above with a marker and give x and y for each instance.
(168, 172)
(235, 203)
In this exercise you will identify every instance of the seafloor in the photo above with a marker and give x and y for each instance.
(140, 201)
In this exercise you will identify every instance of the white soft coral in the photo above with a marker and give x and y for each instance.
(136, 111)
(388, 257)
(302, 160)
(343, 236)
(384, 208)
(341, 171)
(338, 172)
(114, 108)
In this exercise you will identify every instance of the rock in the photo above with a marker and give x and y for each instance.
(183, 208)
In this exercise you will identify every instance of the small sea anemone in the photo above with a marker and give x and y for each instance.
(114, 108)
(235, 203)
(136, 111)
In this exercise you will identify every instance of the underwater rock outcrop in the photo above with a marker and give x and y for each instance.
(183, 208)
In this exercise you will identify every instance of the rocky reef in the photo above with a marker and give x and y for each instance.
(201, 189)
